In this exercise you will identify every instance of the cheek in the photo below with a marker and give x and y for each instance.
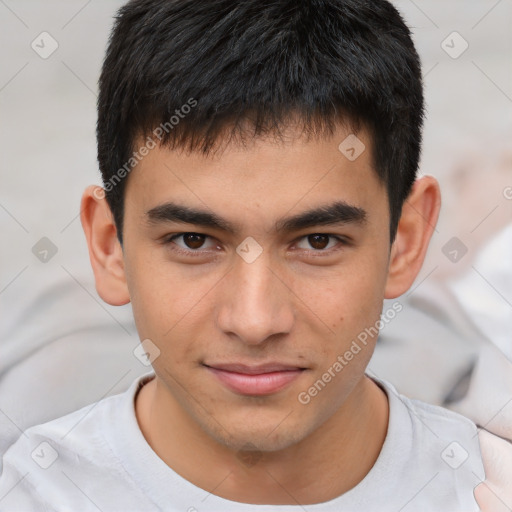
(148, 300)
(170, 308)
(157, 309)
(160, 295)
(345, 300)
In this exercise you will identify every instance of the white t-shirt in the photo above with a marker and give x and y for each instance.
(96, 458)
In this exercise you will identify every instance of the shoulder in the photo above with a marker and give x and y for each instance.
(37, 463)
(431, 446)
(77, 432)
(446, 422)
(61, 462)
(428, 420)
(448, 436)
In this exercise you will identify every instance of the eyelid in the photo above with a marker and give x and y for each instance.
(169, 240)
(339, 238)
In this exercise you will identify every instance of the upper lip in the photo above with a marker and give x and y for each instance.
(254, 369)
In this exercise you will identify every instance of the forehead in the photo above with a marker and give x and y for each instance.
(265, 175)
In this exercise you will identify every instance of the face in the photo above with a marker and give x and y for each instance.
(255, 285)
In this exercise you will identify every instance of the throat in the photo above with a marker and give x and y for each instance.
(343, 450)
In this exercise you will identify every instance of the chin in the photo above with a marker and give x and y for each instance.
(265, 438)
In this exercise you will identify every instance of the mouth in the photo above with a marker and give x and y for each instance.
(256, 380)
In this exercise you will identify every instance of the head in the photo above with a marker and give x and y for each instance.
(287, 136)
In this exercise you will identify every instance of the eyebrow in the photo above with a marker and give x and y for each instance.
(338, 212)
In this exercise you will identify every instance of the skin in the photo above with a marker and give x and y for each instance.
(294, 304)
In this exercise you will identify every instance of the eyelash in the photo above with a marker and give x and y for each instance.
(169, 241)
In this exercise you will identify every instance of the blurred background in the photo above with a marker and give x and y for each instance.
(61, 347)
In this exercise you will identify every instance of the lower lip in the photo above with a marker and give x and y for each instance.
(261, 384)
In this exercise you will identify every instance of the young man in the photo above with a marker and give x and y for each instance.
(260, 202)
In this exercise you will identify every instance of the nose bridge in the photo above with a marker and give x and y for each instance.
(255, 302)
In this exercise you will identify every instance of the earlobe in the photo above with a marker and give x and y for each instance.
(417, 223)
(105, 251)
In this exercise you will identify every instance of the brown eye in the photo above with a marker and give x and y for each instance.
(190, 243)
(319, 241)
(193, 240)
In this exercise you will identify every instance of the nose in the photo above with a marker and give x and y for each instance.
(255, 302)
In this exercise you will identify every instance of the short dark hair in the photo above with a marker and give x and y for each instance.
(262, 64)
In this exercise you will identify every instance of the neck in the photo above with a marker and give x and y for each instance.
(342, 450)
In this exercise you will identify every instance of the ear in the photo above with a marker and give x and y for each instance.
(417, 223)
(105, 251)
